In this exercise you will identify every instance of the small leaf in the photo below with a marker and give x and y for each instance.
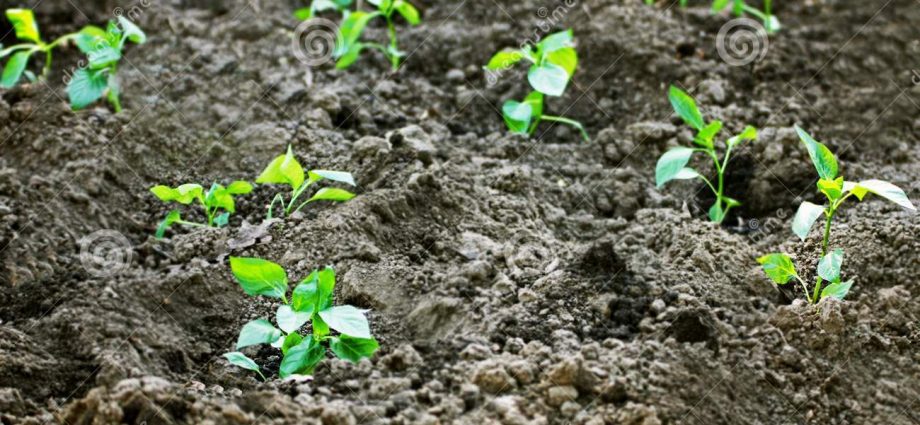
(353, 349)
(283, 170)
(131, 31)
(716, 213)
(686, 173)
(306, 295)
(259, 277)
(549, 79)
(239, 359)
(705, 137)
(104, 57)
(832, 189)
(239, 187)
(821, 156)
(326, 287)
(336, 176)
(14, 68)
(557, 41)
(350, 56)
(885, 190)
(671, 164)
(348, 320)
(23, 22)
(91, 38)
(685, 107)
(521, 118)
(749, 133)
(290, 320)
(778, 267)
(304, 13)
(332, 194)
(291, 340)
(566, 58)
(171, 218)
(302, 358)
(829, 266)
(504, 59)
(805, 218)
(257, 332)
(351, 29)
(408, 11)
(86, 87)
(719, 5)
(837, 290)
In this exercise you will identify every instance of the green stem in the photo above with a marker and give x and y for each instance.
(393, 55)
(573, 123)
(277, 198)
(805, 288)
(824, 244)
(189, 223)
(296, 194)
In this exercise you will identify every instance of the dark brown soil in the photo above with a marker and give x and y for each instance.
(510, 280)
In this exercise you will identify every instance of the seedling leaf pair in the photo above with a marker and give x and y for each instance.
(739, 7)
(103, 49)
(311, 301)
(286, 170)
(349, 44)
(27, 32)
(217, 203)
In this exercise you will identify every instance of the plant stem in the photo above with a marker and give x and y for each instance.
(805, 288)
(573, 123)
(394, 43)
(824, 244)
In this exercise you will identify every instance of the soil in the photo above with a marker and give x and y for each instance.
(510, 279)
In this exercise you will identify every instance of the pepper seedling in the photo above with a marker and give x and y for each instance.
(286, 170)
(216, 199)
(779, 266)
(553, 62)
(26, 28)
(103, 49)
(673, 164)
(317, 6)
(740, 7)
(310, 303)
(349, 45)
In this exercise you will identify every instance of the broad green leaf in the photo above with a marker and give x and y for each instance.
(86, 87)
(778, 267)
(719, 5)
(549, 79)
(239, 187)
(832, 189)
(171, 218)
(716, 213)
(259, 277)
(350, 56)
(347, 320)
(821, 156)
(257, 332)
(320, 328)
(749, 133)
(805, 218)
(353, 349)
(326, 287)
(829, 266)
(351, 29)
(24, 23)
(302, 358)
(885, 190)
(556, 41)
(504, 59)
(219, 197)
(289, 341)
(104, 57)
(336, 176)
(14, 68)
(332, 194)
(283, 170)
(290, 320)
(239, 359)
(686, 173)
(408, 11)
(685, 107)
(837, 290)
(566, 58)
(521, 117)
(671, 164)
(91, 38)
(306, 295)
(130, 31)
(705, 137)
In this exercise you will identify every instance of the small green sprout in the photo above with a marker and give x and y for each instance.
(23, 21)
(309, 302)
(286, 170)
(317, 6)
(553, 62)
(349, 44)
(103, 49)
(217, 198)
(780, 268)
(673, 164)
(740, 7)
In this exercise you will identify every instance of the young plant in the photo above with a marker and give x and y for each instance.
(218, 198)
(310, 303)
(673, 164)
(779, 266)
(317, 6)
(23, 21)
(286, 170)
(103, 49)
(740, 7)
(553, 61)
(349, 44)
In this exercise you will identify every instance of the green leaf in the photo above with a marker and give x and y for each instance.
(14, 68)
(336, 176)
(566, 58)
(306, 295)
(556, 41)
(408, 11)
(749, 133)
(332, 194)
(218, 196)
(320, 328)
(239, 359)
(239, 187)
(353, 349)
(290, 320)
(730, 203)
(103, 57)
(325, 287)
(716, 213)
(885, 190)
(837, 290)
(350, 56)
(171, 218)
(686, 173)
(778, 267)
(832, 189)
(222, 220)
(291, 340)
(521, 117)
(283, 170)
(705, 137)
(24, 22)
(304, 13)
(91, 38)
(183, 194)
(504, 59)
(257, 332)
(821, 156)
(671, 164)
(347, 320)
(351, 29)
(829, 266)
(549, 79)
(685, 107)
(259, 277)
(302, 358)
(130, 31)
(86, 87)
(805, 218)
(719, 5)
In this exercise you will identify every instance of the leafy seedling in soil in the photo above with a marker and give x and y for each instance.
(26, 28)
(286, 170)
(779, 266)
(740, 7)
(553, 61)
(318, 6)
(103, 49)
(218, 198)
(673, 164)
(349, 45)
(309, 303)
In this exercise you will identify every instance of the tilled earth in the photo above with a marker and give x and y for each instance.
(510, 280)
